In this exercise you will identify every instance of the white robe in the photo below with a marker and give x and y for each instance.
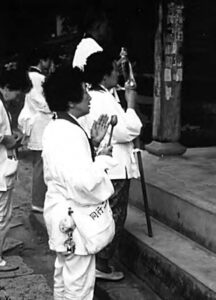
(35, 114)
(8, 167)
(71, 175)
(126, 130)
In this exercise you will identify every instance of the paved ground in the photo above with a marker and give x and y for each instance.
(34, 280)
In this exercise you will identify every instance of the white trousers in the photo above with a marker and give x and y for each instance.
(6, 206)
(74, 277)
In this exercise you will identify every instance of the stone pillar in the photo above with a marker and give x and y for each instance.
(167, 80)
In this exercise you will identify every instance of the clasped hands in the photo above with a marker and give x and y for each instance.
(98, 132)
(12, 141)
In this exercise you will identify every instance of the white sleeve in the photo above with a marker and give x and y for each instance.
(34, 103)
(2, 124)
(37, 101)
(128, 127)
(129, 124)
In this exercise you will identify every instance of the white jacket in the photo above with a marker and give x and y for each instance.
(126, 130)
(71, 176)
(8, 167)
(35, 114)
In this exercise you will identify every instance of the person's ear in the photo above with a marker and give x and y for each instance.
(104, 79)
(71, 104)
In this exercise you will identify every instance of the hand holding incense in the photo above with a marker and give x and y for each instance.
(113, 122)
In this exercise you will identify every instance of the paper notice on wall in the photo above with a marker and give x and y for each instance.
(167, 75)
(168, 61)
(168, 93)
(168, 49)
(174, 48)
(179, 75)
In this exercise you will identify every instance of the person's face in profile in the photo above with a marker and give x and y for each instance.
(83, 107)
(111, 80)
(45, 65)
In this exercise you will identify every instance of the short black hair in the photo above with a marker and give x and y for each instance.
(97, 65)
(63, 86)
(15, 79)
(36, 54)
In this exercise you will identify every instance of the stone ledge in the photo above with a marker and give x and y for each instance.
(165, 149)
(176, 267)
(181, 192)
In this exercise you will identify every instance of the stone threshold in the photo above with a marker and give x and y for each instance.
(172, 264)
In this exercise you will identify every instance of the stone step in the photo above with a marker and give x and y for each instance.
(129, 288)
(171, 264)
(11, 243)
(181, 192)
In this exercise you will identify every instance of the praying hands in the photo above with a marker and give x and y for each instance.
(99, 129)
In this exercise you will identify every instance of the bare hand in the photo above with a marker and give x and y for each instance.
(19, 138)
(9, 141)
(130, 96)
(106, 150)
(123, 67)
(99, 129)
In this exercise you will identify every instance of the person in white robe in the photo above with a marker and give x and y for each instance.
(73, 177)
(32, 120)
(12, 83)
(102, 74)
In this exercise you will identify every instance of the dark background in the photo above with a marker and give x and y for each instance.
(27, 23)
(24, 24)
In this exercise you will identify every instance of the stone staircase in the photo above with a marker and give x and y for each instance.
(179, 261)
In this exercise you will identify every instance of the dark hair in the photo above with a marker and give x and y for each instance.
(62, 86)
(97, 65)
(15, 80)
(36, 54)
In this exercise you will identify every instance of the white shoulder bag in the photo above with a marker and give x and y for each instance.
(95, 225)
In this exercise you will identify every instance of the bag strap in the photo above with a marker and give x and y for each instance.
(66, 116)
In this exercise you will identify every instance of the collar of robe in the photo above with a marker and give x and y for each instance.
(68, 117)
